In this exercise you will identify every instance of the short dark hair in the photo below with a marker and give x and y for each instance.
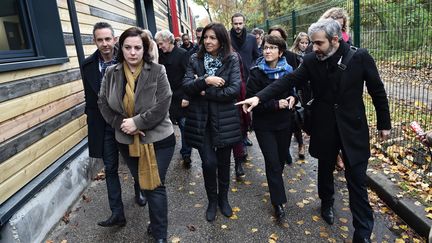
(275, 40)
(199, 29)
(102, 25)
(257, 31)
(185, 34)
(132, 32)
(280, 30)
(238, 15)
(221, 35)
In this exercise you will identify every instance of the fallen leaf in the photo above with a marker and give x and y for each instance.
(300, 204)
(198, 205)
(324, 235)
(49, 241)
(399, 240)
(86, 198)
(191, 227)
(344, 228)
(192, 183)
(247, 183)
(274, 237)
(175, 240)
(306, 201)
(343, 220)
(253, 230)
(292, 191)
(307, 232)
(344, 235)
(331, 240)
(191, 192)
(308, 190)
(345, 209)
(315, 218)
(264, 184)
(301, 222)
(224, 226)
(236, 209)
(286, 225)
(63, 241)
(429, 215)
(234, 189)
(233, 216)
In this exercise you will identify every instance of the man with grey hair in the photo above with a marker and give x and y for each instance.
(175, 60)
(338, 116)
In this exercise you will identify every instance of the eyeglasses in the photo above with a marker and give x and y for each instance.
(271, 48)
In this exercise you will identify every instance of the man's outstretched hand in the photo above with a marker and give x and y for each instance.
(248, 104)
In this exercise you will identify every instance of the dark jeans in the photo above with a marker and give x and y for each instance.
(216, 167)
(185, 150)
(358, 197)
(157, 198)
(274, 146)
(111, 162)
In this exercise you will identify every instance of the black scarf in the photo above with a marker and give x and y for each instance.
(238, 41)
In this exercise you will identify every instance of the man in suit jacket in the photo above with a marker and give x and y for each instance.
(101, 141)
(339, 119)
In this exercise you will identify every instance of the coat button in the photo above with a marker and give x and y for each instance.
(336, 106)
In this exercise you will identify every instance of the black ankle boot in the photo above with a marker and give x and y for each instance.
(211, 211)
(224, 206)
(239, 168)
(279, 211)
(114, 220)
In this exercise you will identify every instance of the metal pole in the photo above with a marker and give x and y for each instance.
(76, 31)
(357, 23)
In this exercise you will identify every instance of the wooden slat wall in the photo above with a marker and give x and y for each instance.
(41, 123)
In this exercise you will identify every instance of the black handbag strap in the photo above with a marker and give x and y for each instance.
(343, 62)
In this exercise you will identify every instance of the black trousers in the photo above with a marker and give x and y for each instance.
(157, 198)
(355, 176)
(274, 147)
(216, 167)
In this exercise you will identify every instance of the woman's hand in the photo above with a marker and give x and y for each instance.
(215, 81)
(184, 103)
(291, 102)
(128, 126)
(283, 104)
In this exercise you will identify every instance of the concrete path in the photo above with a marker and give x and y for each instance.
(253, 221)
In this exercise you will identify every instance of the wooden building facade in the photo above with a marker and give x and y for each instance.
(42, 120)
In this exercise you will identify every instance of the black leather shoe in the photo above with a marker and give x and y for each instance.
(211, 211)
(225, 208)
(114, 220)
(140, 199)
(328, 214)
(187, 162)
(160, 240)
(279, 211)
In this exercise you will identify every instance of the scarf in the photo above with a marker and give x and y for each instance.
(211, 64)
(148, 173)
(282, 68)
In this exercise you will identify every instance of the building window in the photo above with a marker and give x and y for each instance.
(30, 34)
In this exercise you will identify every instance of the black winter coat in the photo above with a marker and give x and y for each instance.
(91, 77)
(248, 50)
(175, 64)
(215, 110)
(267, 116)
(338, 111)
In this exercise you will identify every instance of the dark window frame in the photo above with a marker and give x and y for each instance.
(43, 35)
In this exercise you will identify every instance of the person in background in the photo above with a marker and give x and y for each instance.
(338, 117)
(299, 46)
(212, 81)
(154, 48)
(259, 35)
(101, 141)
(198, 34)
(341, 16)
(175, 60)
(134, 99)
(187, 44)
(178, 41)
(272, 120)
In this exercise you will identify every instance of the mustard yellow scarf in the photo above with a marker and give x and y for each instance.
(148, 173)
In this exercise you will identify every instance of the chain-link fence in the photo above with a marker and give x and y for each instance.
(398, 34)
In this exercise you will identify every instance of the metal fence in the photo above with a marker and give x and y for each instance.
(399, 36)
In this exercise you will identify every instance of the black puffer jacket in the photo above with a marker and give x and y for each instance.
(215, 110)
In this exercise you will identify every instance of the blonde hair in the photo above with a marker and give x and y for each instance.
(337, 13)
(295, 47)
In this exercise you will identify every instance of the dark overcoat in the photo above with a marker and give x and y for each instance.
(215, 110)
(338, 111)
(175, 64)
(91, 77)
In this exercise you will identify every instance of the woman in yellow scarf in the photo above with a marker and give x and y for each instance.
(134, 99)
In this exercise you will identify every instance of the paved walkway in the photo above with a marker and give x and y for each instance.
(253, 221)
